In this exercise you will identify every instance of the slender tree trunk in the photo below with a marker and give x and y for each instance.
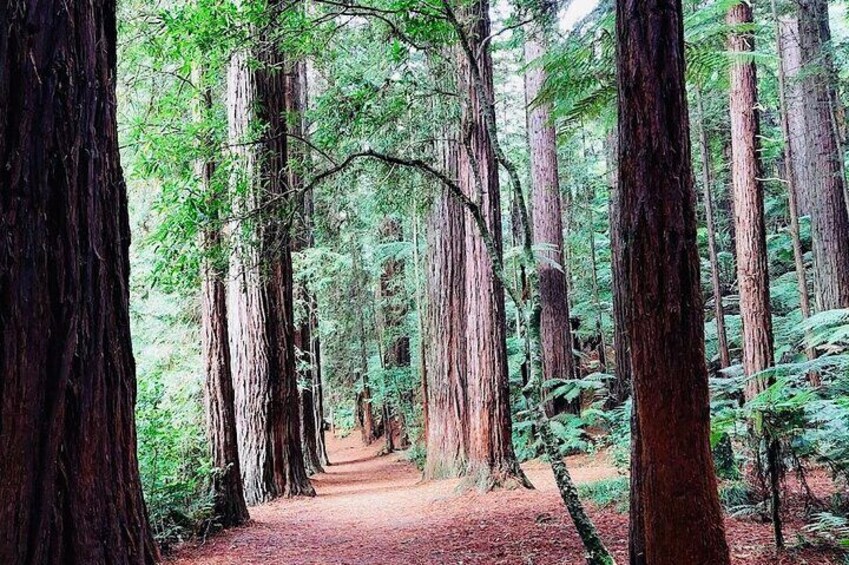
(492, 462)
(264, 368)
(676, 516)
(555, 328)
(364, 408)
(796, 100)
(752, 269)
(602, 345)
(394, 312)
(219, 397)
(622, 385)
(70, 492)
(829, 218)
(716, 283)
(447, 416)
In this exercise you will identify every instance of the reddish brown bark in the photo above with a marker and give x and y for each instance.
(262, 311)
(829, 218)
(676, 516)
(70, 492)
(219, 397)
(749, 226)
(492, 462)
(447, 439)
(555, 328)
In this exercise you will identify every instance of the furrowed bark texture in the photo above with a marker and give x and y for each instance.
(302, 239)
(749, 227)
(675, 503)
(555, 328)
(219, 397)
(261, 312)
(447, 433)
(829, 218)
(69, 481)
(492, 462)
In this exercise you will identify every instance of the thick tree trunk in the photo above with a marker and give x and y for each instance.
(492, 462)
(752, 269)
(675, 506)
(219, 397)
(716, 284)
(829, 218)
(261, 313)
(447, 417)
(69, 481)
(555, 328)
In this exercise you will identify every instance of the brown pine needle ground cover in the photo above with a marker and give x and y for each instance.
(375, 510)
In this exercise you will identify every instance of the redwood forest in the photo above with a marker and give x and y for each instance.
(397, 282)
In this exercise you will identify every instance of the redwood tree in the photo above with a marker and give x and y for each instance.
(675, 506)
(555, 328)
(749, 226)
(447, 433)
(219, 397)
(492, 462)
(829, 218)
(267, 402)
(69, 481)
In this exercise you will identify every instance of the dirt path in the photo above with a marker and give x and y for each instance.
(375, 510)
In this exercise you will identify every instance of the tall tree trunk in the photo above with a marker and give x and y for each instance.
(829, 218)
(621, 388)
(555, 328)
(492, 462)
(219, 397)
(783, 32)
(675, 506)
(796, 100)
(396, 357)
(264, 368)
(752, 269)
(364, 402)
(70, 492)
(716, 284)
(447, 416)
(302, 239)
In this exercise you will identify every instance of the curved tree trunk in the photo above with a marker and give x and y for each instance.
(555, 327)
(70, 492)
(492, 462)
(675, 506)
(829, 218)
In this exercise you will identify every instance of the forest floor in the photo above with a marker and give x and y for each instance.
(375, 510)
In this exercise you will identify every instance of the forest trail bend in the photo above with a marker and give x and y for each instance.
(375, 510)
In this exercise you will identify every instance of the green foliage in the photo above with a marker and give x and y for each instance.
(607, 492)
